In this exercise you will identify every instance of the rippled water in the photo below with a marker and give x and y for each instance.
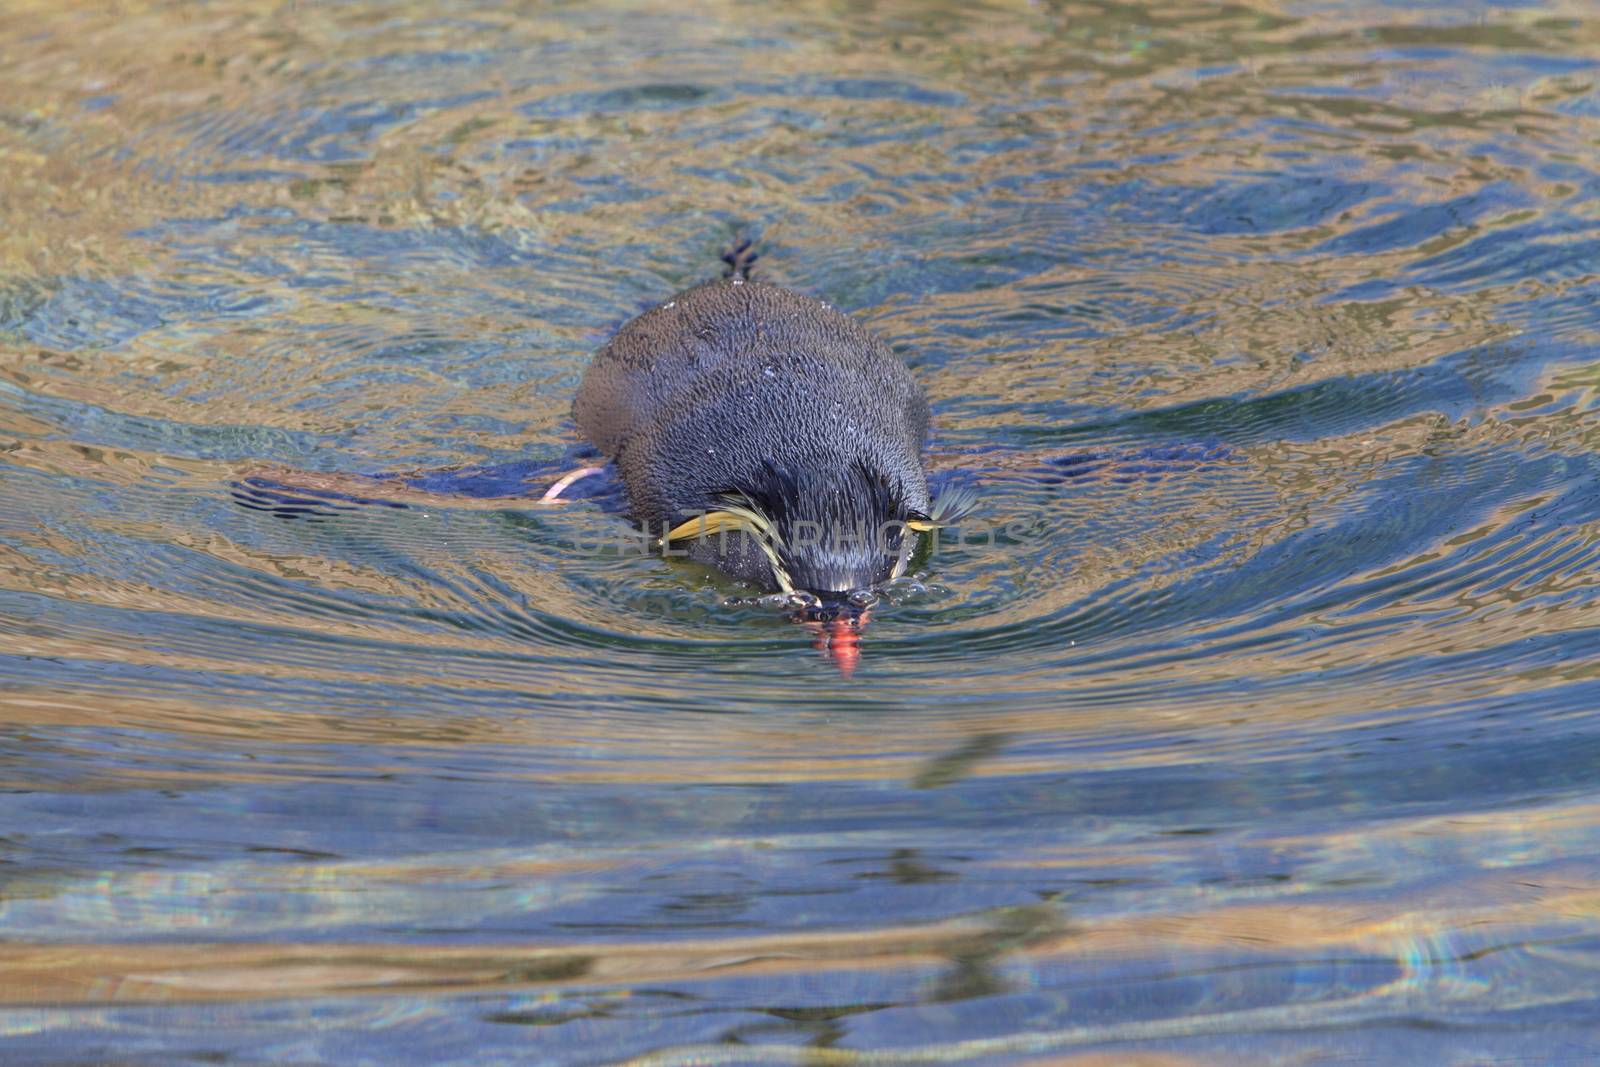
(1268, 734)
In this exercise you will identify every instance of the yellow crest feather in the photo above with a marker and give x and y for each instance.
(734, 519)
(710, 524)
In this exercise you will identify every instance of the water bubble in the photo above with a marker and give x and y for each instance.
(905, 589)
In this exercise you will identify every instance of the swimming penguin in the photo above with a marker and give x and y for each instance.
(766, 434)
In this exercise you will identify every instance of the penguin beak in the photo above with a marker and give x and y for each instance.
(836, 632)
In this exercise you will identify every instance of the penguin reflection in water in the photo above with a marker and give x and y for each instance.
(765, 434)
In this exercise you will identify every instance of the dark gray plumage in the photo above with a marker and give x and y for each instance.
(740, 389)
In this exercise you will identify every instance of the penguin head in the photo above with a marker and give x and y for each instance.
(825, 530)
(831, 532)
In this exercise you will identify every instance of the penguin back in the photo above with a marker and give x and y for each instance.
(736, 386)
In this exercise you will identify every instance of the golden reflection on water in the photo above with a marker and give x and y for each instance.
(1412, 930)
(441, 644)
(1390, 929)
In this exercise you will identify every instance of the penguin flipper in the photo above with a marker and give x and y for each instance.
(1118, 465)
(518, 485)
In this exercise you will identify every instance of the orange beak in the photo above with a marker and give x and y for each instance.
(839, 639)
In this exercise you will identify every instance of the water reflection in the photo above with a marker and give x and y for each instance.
(1264, 732)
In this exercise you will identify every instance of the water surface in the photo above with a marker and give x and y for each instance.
(1268, 734)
